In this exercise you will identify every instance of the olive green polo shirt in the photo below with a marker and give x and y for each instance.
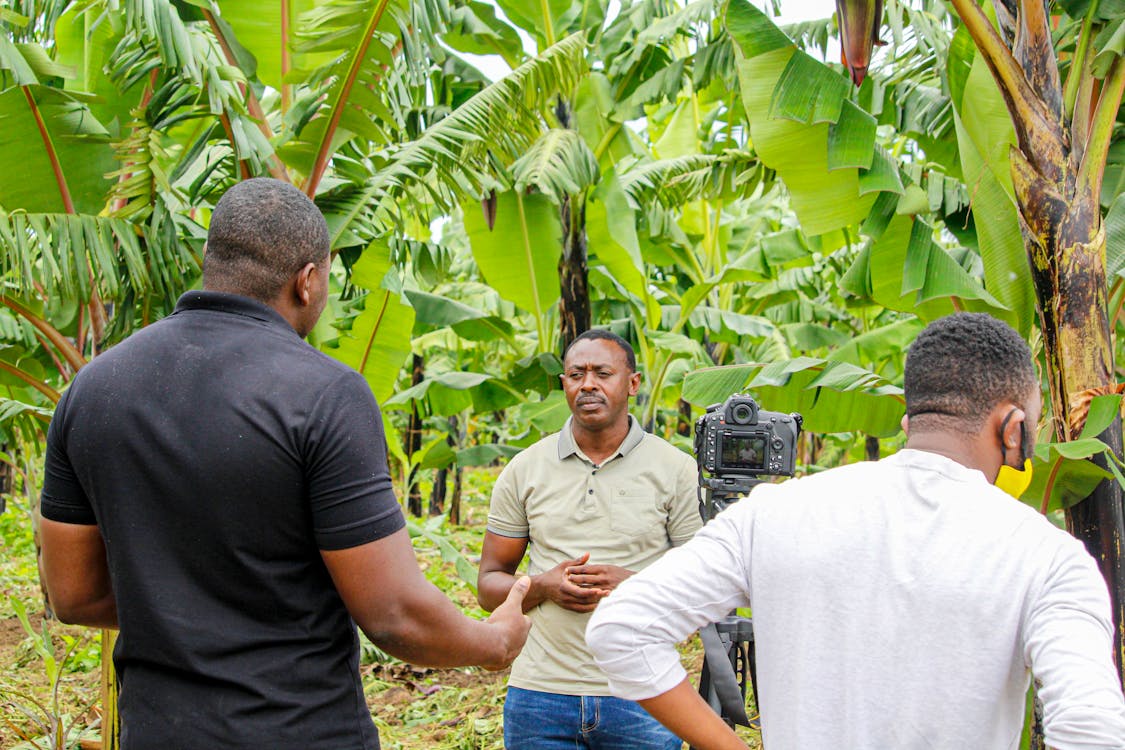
(627, 511)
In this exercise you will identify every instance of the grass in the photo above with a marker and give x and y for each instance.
(414, 708)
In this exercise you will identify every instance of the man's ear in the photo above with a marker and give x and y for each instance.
(1013, 427)
(303, 284)
(634, 383)
(905, 423)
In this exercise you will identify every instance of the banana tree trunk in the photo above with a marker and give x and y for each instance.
(1057, 167)
(413, 439)
(574, 305)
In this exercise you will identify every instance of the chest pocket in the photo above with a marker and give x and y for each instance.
(634, 511)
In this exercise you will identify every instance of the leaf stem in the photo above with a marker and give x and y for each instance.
(1090, 174)
(322, 154)
(287, 89)
(38, 385)
(1078, 63)
(1050, 486)
(52, 154)
(73, 357)
(277, 169)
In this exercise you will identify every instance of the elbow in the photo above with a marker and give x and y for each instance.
(487, 598)
(64, 612)
(61, 603)
(72, 610)
(604, 636)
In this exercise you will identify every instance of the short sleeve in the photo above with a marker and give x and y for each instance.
(349, 485)
(63, 498)
(507, 514)
(683, 516)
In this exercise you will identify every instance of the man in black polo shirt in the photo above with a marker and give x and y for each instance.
(218, 489)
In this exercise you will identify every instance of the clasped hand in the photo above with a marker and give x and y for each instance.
(578, 586)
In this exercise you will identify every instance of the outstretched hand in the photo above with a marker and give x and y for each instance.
(511, 624)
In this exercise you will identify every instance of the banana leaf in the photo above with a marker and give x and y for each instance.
(831, 396)
(519, 255)
(378, 342)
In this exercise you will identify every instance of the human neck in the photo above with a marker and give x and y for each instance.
(964, 449)
(598, 445)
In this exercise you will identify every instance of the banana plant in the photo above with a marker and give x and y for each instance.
(1064, 126)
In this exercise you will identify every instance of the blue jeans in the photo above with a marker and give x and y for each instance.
(549, 721)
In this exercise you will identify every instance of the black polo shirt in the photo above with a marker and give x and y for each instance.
(218, 453)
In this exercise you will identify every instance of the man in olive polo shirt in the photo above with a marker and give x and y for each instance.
(592, 504)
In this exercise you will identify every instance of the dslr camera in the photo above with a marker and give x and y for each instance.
(736, 442)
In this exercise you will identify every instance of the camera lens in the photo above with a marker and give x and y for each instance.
(741, 414)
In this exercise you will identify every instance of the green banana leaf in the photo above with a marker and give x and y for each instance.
(84, 39)
(1063, 475)
(483, 455)
(519, 255)
(378, 343)
(831, 396)
(73, 136)
(984, 137)
(908, 271)
(434, 310)
(258, 31)
(611, 235)
(793, 102)
(444, 394)
(476, 30)
(547, 415)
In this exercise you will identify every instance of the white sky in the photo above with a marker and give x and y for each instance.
(791, 11)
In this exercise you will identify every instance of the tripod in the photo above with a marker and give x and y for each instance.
(728, 645)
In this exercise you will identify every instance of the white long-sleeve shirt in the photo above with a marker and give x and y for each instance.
(897, 604)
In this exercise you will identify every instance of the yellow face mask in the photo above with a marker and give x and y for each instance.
(1014, 481)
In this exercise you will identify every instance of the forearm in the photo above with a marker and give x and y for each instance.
(427, 629)
(493, 587)
(682, 710)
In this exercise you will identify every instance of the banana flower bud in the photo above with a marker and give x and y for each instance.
(859, 22)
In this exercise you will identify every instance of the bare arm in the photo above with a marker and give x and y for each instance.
(407, 616)
(689, 717)
(499, 559)
(75, 573)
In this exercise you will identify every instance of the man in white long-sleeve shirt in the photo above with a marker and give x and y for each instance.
(897, 604)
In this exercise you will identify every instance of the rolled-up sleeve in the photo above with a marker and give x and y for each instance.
(633, 633)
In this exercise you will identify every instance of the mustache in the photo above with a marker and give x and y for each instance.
(590, 400)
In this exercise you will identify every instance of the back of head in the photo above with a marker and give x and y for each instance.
(263, 231)
(962, 366)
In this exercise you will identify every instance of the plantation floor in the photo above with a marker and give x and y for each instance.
(414, 709)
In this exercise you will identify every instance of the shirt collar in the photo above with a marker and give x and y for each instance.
(568, 447)
(920, 459)
(201, 299)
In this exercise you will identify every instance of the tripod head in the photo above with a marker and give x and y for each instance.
(716, 494)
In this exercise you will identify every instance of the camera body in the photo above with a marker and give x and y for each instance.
(737, 441)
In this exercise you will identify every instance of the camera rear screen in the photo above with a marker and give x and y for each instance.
(743, 452)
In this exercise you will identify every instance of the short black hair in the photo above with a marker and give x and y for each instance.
(962, 366)
(262, 232)
(604, 335)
